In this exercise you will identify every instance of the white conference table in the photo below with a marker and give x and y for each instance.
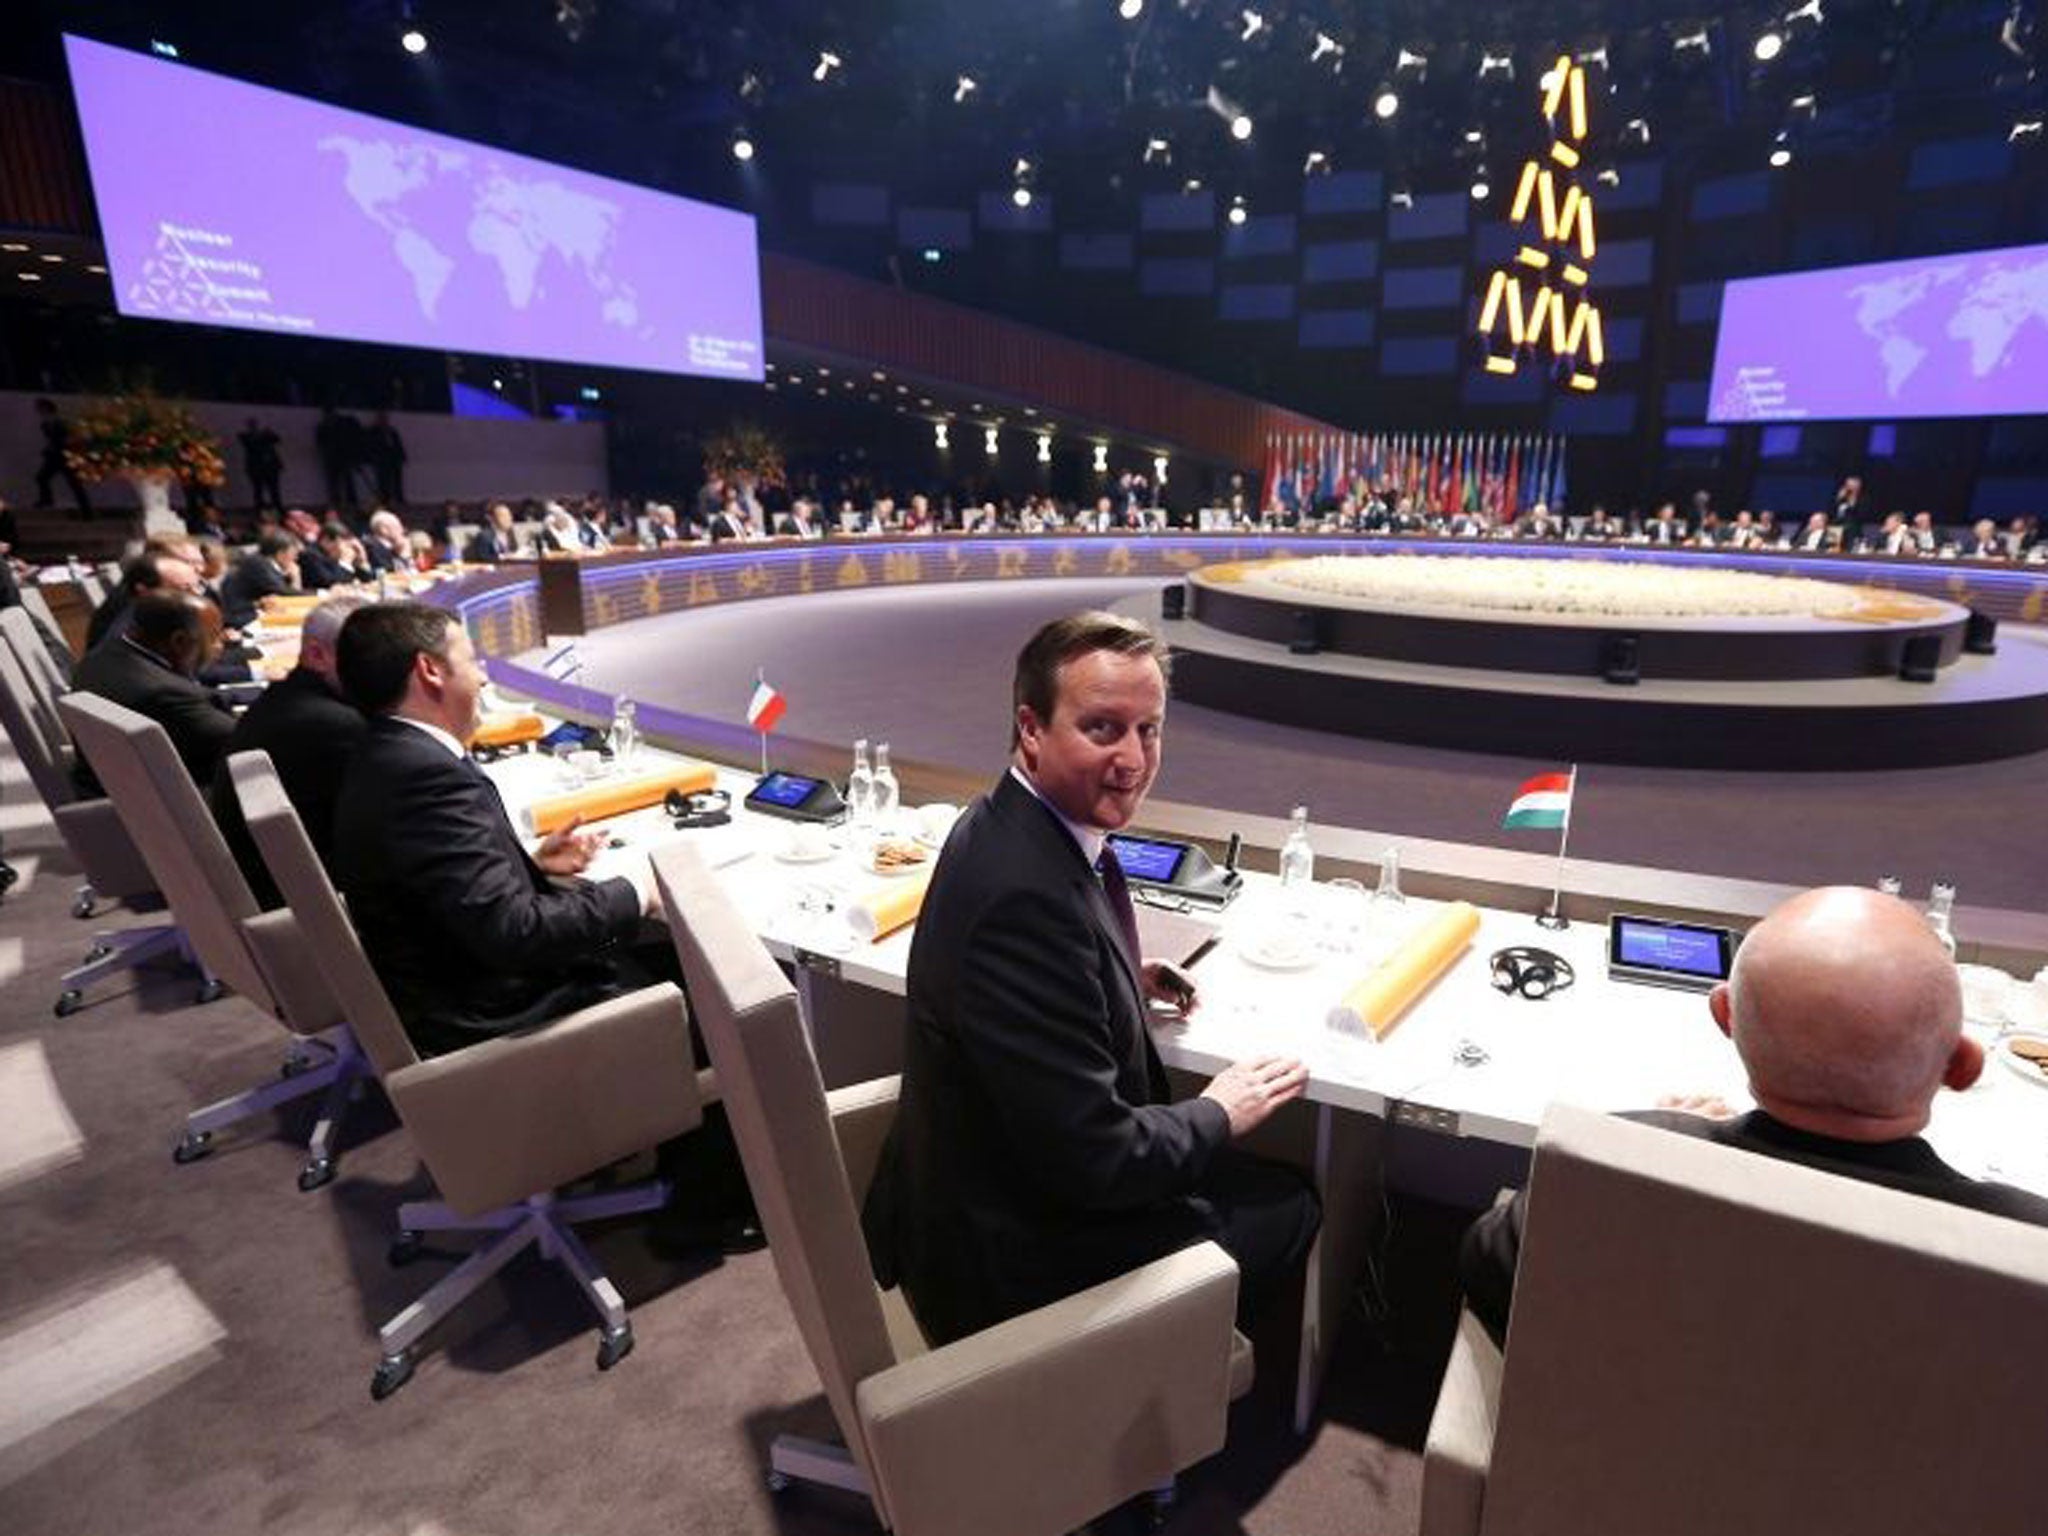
(1465, 1061)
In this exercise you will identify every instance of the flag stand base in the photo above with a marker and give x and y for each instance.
(1553, 920)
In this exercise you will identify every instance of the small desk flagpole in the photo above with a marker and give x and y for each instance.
(1554, 917)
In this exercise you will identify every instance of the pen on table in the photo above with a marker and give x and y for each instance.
(1199, 952)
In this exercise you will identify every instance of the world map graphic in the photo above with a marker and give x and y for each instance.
(1915, 315)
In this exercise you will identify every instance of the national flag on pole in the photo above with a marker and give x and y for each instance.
(1545, 801)
(765, 709)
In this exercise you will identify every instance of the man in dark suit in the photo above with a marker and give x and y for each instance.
(263, 459)
(1848, 1017)
(150, 571)
(153, 668)
(333, 559)
(472, 935)
(310, 732)
(269, 571)
(1667, 527)
(497, 540)
(1035, 1151)
(55, 463)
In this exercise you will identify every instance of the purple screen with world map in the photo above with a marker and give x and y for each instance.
(224, 203)
(1961, 335)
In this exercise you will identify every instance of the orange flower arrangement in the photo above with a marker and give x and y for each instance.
(141, 436)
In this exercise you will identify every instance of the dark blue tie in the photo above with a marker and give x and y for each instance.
(1118, 890)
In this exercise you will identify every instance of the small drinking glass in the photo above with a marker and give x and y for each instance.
(1345, 910)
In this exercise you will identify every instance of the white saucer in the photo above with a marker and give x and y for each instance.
(2031, 1071)
(1285, 954)
(787, 854)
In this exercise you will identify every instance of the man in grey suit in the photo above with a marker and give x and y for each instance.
(1035, 1150)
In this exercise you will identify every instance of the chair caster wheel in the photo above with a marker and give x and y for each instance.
(316, 1173)
(1157, 1511)
(403, 1250)
(98, 952)
(69, 1001)
(211, 991)
(614, 1346)
(294, 1066)
(83, 907)
(393, 1372)
(778, 1482)
(194, 1146)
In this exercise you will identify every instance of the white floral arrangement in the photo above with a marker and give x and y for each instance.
(1607, 588)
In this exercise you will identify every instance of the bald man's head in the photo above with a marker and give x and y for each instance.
(1847, 1013)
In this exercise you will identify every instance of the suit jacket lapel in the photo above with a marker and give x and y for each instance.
(1034, 813)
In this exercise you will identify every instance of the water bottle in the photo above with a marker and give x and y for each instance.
(1941, 903)
(860, 787)
(1891, 885)
(1389, 888)
(625, 730)
(1297, 858)
(886, 794)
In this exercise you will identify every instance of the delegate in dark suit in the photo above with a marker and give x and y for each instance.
(469, 935)
(254, 577)
(141, 671)
(310, 732)
(1036, 1150)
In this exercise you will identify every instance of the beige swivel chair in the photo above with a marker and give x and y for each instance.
(235, 944)
(33, 600)
(91, 830)
(503, 1123)
(1029, 1428)
(1705, 1339)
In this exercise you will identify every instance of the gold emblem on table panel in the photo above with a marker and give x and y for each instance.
(902, 565)
(957, 562)
(650, 592)
(524, 636)
(852, 572)
(603, 610)
(806, 580)
(1064, 561)
(1119, 561)
(755, 581)
(1181, 559)
(2030, 610)
(703, 589)
(1012, 563)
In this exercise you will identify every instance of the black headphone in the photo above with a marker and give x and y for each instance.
(706, 808)
(1531, 973)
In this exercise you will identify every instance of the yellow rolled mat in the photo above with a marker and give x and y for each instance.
(509, 730)
(1375, 1005)
(615, 797)
(886, 908)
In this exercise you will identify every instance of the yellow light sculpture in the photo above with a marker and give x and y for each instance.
(1558, 244)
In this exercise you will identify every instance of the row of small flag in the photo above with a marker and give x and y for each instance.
(1495, 473)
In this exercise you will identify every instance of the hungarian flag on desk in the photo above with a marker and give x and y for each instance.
(1545, 801)
(765, 709)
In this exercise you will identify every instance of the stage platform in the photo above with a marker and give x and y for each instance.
(1537, 688)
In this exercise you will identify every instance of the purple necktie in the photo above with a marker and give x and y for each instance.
(1118, 890)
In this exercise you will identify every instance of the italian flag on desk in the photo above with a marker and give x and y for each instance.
(1545, 801)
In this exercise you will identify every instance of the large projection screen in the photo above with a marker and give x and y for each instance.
(1962, 335)
(224, 203)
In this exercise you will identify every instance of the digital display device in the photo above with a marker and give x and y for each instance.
(1142, 860)
(784, 789)
(1961, 335)
(224, 203)
(1687, 955)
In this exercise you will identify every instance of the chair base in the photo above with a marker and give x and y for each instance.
(546, 1220)
(117, 949)
(329, 1061)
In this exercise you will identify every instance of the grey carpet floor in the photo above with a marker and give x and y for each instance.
(928, 669)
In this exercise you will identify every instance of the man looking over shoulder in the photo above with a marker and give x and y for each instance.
(1035, 1151)
(1847, 1014)
(471, 935)
(153, 668)
(310, 732)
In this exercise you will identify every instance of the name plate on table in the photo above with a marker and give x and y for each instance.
(1172, 871)
(796, 797)
(1689, 956)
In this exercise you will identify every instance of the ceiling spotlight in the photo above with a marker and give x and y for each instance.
(1045, 448)
(743, 149)
(1101, 458)
(1254, 23)
(1237, 214)
(1780, 157)
(1475, 136)
(1317, 162)
(12, 246)
(751, 88)
(1402, 198)
(1607, 176)
(1768, 46)
(1406, 63)
(1593, 56)
(1021, 169)
(1480, 189)
(1158, 152)
(1130, 10)
(574, 17)
(1638, 129)
(1021, 197)
(1693, 41)
(939, 439)
(963, 88)
(101, 271)
(988, 440)
(931, 253)
(1805, 103)
(53, 258)
(413, 40)
(2025, 128)
(1385, 105)
(1191, 186)
(1490, 63)
(163, 50)
(827, 62)
(1240, 127)
(30, 277)
(1807, 12)
(1327, 47)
